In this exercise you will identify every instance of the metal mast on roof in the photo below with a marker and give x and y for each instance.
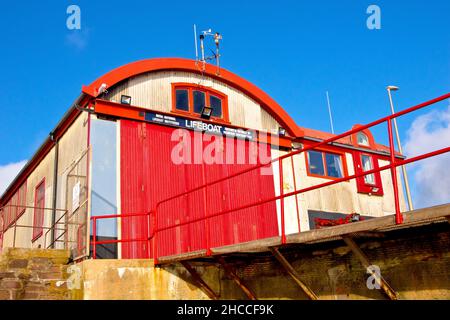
(216, 54)
(329, 112)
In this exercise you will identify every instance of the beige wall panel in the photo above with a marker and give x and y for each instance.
(71, 145)
(24, 235)
(153, 91)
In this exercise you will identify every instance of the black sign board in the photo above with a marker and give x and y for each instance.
(197, 125)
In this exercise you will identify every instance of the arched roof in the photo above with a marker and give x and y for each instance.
(135, 68)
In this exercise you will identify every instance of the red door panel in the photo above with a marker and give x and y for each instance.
(148, 175)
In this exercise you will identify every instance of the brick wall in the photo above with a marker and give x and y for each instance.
(31, 274)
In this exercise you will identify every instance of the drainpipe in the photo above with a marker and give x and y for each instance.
(55, 186)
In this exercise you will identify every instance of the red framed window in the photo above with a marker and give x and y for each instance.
(15, 206)
(190, 99)
(326, 164)
(22, 199)
(371, 183)
(39, 205)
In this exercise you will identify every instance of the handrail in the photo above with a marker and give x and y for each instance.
(315, 146)
(94, 241)
(394, 163)
(14, 222)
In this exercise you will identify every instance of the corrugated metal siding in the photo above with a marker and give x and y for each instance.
(148, 175)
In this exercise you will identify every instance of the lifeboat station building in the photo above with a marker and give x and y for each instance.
(167, 157)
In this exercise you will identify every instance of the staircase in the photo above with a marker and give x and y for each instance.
(34, 274)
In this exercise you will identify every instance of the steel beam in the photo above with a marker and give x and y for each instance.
(199, 281)
(233, 275)
(293, 273)
(387, 289)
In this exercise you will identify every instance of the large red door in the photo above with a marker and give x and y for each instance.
(149, 175)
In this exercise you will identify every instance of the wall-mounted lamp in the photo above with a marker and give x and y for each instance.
(206, 112)
(296, 145)
(125, 99)
(281, 131)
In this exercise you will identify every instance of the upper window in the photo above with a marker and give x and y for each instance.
(363, 139)
(182, 99)
(325, 164)
(367, 165)
(191, 98)
(370, 183)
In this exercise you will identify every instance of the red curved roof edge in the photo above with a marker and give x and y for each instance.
(158, 64)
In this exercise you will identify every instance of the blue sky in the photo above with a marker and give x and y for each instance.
(294, 50)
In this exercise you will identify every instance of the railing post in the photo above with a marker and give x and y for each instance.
(205, 204)
(398, 214)
(149, 233)
(155, 231)
(296, 195)
(15, 232)
(94, 237)
(283, 230)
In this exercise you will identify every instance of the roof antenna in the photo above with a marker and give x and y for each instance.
(329, 112)
(195, 42)
(216, 55)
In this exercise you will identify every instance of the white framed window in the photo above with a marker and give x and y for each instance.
(367, 165)
(363, 139)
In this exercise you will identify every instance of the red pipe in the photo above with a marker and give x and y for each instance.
(283, 229)
(94, 237)
(296, 196)
(398, 214)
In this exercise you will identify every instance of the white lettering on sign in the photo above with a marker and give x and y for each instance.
(198, 125)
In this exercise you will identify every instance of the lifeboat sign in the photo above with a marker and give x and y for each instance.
(196, 125)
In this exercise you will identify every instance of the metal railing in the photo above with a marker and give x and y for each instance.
(57, 229)
(94, 242)
(394, 162)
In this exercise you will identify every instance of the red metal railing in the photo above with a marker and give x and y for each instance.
(394, 163)
(59, 228)
(95, 243)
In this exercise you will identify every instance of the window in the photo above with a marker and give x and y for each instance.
(362, 139)
(182, 99)
(216, 104)
(15, 206)
(371, 183)
(39, 204)
(315, 163)
(334, 165)
(199, 101)
(367, 165)
(326, 164)
(192, 98)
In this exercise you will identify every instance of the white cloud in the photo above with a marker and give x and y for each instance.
(8, 172)
(431, 177)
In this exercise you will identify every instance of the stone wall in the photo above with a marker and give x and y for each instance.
(31, 274)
